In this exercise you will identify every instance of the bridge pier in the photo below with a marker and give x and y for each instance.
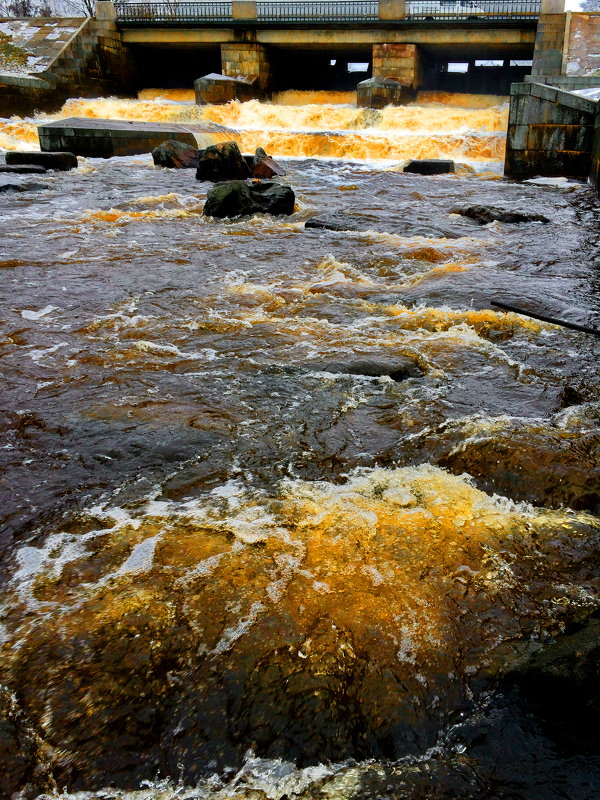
(249, 60)
(397, 74)
(399, 61)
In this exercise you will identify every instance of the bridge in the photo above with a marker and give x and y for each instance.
(320, 43)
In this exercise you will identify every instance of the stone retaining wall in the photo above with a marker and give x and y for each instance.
(551, 133)
(91, 62)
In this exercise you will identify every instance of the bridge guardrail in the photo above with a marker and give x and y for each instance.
(318, 10)
(471, 9)
(172, 12)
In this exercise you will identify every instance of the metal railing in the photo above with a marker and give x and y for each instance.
(171, 12)
(471, 9)
(318, 10)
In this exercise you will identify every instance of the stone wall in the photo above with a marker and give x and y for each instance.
(549, 44)
(91, 63)
(595, 165)
(399, 61)
(582, 56)
(248, 60)
(550, 132)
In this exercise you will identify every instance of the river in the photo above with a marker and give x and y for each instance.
(291, 512)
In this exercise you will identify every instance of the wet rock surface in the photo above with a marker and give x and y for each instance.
(391, 223)
(263, 166)
(22, 169)
(58, 161)
(398, 369)
(24, 761)
(244, 198)
(8, 186)
(486, 214)
(222, 162)
(430, 166)
(176, 155)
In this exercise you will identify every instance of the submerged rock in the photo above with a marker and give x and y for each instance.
(176, 155)
(327, 622)
(242, 198)
(485, 214)
(430, 166)
(565, 461)
(398, 369)
(58, 161)
(22, 758)
(342, 221)
(222, 162)
(6, 186)
(22, 169)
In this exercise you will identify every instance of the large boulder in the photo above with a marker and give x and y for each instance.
(222, 162)
(485, 214)
(59, 161)
(176, 155)
(242, 198)
(430, 166)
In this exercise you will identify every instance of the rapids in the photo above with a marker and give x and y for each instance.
(290, 512)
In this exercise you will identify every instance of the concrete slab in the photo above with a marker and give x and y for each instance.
(104, 138)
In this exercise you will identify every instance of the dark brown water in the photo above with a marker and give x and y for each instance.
(239, 562)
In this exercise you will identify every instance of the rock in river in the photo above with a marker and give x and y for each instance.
(22, 169)
(485, 214)
(342, 221)
(430, 166)
(59, 161)
(242, 198)
(14, 186)
(263, 165)
(222, 162)
(176, 155)
(398, 368)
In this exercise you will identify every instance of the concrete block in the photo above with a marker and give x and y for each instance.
(544, 92)
(574, 101)
(522, 164)
(516, 137)
(105, 138)
(243, 9)
(572, 138)
(519, 89)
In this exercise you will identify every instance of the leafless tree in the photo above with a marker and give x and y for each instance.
(80, 8)
(590, 5)
(30, 8)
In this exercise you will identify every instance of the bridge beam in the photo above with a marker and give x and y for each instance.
(247, 59)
